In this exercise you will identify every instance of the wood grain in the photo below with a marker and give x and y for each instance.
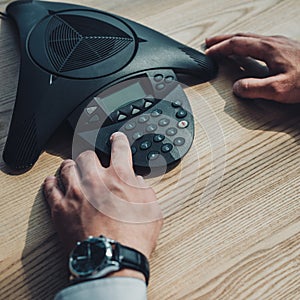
(234, 237)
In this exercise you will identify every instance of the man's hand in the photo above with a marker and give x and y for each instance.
(92, 200)
(282, 56)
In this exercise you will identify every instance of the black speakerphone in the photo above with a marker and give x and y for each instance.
(103, 73)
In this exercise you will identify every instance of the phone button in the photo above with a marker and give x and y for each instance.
(158, 77)
(179, 141)
(156, 113)
(151, 128)
(171, 131)
(137, 135)
(163, 122)
(143, 119)
(121, 117)
(158, 138)
(181, 113)
(167, 148)
(130, 125)
(153, 155)
(183, 124)
(145, 145)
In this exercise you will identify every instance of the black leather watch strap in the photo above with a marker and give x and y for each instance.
(132, 259)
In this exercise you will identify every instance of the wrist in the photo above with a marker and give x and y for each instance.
(99, 257)
(127, 273)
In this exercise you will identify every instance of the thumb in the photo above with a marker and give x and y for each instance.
(265, 88)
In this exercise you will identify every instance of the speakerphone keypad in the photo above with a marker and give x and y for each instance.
(156, 127)
(157, 133)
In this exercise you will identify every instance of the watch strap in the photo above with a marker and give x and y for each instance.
(132, 259)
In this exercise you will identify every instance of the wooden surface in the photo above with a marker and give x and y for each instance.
(232, 227)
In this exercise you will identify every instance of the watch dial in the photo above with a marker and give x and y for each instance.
(88, 256)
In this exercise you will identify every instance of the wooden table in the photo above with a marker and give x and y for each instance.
(232, 210)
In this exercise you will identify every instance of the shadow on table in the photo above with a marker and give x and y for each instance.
(255, 114)
(43, 259)
(60, 145)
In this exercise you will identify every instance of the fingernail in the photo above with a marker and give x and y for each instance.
(49, 178)
(116, 134)
(236, 88)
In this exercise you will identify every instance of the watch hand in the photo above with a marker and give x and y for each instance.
(81, 257)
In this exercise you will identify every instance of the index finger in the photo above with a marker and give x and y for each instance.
(242, 46)
(121, 158)
(222, 37)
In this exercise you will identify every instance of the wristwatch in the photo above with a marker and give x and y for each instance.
(97, 257)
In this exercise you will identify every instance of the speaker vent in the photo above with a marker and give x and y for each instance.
(74, 42)
(196, 56)
(26, 148)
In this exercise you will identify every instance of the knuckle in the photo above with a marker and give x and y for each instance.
(86, 154)
(75, 192)
(66, 168)
(58, 209)
(235, 44)
(57, 206)
(48, 191)
(279, 91)
(73, 206)
(234, 40)
(65, 172)
(278, 37)
(268, 45)
(67, 163)
(277, 88)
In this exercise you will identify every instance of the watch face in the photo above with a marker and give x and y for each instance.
(87, 256)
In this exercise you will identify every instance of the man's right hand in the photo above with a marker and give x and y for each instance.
(92, 200)
(282, 56)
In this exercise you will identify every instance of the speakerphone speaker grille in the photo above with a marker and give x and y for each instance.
(207, 65)
(26, 146)
(74, 42)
